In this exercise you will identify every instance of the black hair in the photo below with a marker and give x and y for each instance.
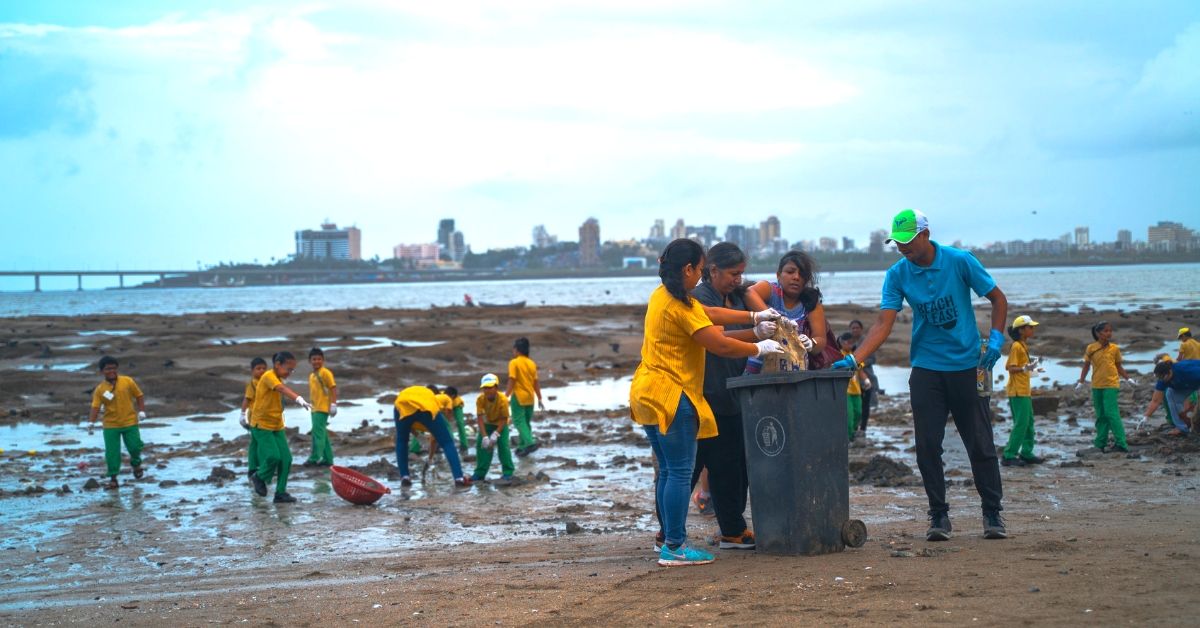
(257, 361)
(315, 351)
(434, 388)
(282, 356)
(723, 256)
(1163, 369)
(522, 346)
(452, 391)
(1014, 333)
(846, 336)
(810, 296)
(1096, 329)
(1186, 334)
(107, 360)
(858, 322)
(679, 253)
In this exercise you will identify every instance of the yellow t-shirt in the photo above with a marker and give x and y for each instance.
(251, 387)
(267, 411)
(1104, 363)
(319, 395)
(853, 388)
(1018, 381)
(1189, 349)
(672, 365)
(118, 400)
(458, 402)
(416, 399)
(494, 412)
(522, 372)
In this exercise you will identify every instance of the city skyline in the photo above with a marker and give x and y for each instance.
(210, 132)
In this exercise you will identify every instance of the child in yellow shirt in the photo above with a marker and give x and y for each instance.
(116, 397)
(521, 390)
(258, 366)
(1019, 450)
(322, 389)
(1104, 359)
(854, 399)
(266, 418)
(418, 405)
(491, 415)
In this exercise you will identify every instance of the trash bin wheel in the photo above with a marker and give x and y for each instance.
(854, 533)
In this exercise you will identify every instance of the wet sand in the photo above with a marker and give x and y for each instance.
(1096, 538)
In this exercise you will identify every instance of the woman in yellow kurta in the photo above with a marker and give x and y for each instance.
(667, 394)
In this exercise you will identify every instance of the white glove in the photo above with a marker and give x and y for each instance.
(768, 314)
(244, 419)
(806, 342)
(303, 404)
(1131, 381)
(788, 324)
(765, 330)
(768, 346)
(142, 415)
(489, 441)
(866, 384)
(333, 409)
(1078, 384)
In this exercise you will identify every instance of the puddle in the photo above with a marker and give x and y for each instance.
(64, 366)
(605, 394)
(244, 341)
(108, 332)
(379, 342)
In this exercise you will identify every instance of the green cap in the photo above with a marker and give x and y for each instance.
(906, 225)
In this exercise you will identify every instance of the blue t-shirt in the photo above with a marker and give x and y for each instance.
(944, 335)
(1185, 375)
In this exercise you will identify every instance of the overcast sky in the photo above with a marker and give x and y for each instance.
(134, 135)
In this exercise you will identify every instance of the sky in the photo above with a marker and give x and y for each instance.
(143, 133)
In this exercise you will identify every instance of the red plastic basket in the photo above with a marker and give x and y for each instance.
(355, 487)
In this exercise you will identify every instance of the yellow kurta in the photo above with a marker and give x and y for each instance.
(1104, 363)
(119, 400)
(1189, 349)
(267, 411)
(1018, 382)
(522, 372)
(493, 412)
(672, 365)
(319, 384)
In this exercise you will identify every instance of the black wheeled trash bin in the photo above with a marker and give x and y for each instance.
(797, 461)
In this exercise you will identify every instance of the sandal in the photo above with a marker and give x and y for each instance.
(138, 472)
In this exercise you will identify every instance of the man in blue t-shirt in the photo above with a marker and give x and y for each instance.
(1176, 381)
(937, 282)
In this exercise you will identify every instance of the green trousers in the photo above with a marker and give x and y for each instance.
(853, 413)
(252, 453)
(322, 451)
(414, 443)
(483, 457)
(112, 447)
(275, 459)
(461, 425)
(521, 417)
(1108, 417)
(1020, 440)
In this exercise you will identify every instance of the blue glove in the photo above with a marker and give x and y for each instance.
(995, 341)
(847, 362)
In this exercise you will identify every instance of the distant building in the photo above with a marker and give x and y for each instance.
(1170, 237)
(847, 244)
(876, 246)
(1124, 240)
(419, 255)
(542, 238)
(828, 245)
(458, 246)
(658, 231)
(329, 242)
(589, 243)
(1082, 239)
(768, 230)
(736, 234)
(706, 235)
(445, 235)
(679, 230)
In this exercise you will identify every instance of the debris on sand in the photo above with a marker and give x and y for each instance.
(883, 472)
(220, 474)
(381, 468)
(91, 485)
(573, 528)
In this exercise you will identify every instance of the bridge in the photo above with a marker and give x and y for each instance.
(80, 274)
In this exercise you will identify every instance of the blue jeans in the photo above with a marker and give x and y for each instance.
(676, 455)
(441, 433)
(1175, 399)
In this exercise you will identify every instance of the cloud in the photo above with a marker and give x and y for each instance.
(39, 94)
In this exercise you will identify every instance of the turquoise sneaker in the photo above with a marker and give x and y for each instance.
(683, 557)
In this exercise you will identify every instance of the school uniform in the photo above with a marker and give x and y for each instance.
(854, 402)
(495, 415)
(419, 406)
(266, 423)
(1106, 384)
(252, 448)
(460, 422)
(118, 402)
(320, 382)
(1020, 402)
(522, 372)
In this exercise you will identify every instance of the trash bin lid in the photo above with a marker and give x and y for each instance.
(786, 377)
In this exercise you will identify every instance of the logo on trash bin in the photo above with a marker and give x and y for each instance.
(770, 435)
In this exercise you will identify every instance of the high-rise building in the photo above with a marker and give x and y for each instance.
(679, 230)
(329, 242)
(659, 230)
(1124, 239)
(705, 235)
(1082, 240)
(736, 234)
(1170, 237)
(828, 245)
(458, 246)
(542, 238)
(419, 255)
(589, 243)
(876, 246)
(446, 234)
(847, 244)
(768, 230)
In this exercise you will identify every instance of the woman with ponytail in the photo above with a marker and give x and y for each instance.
(667, 394)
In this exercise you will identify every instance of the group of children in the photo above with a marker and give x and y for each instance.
(417, 408)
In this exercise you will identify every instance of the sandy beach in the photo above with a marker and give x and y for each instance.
(1096, 538)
